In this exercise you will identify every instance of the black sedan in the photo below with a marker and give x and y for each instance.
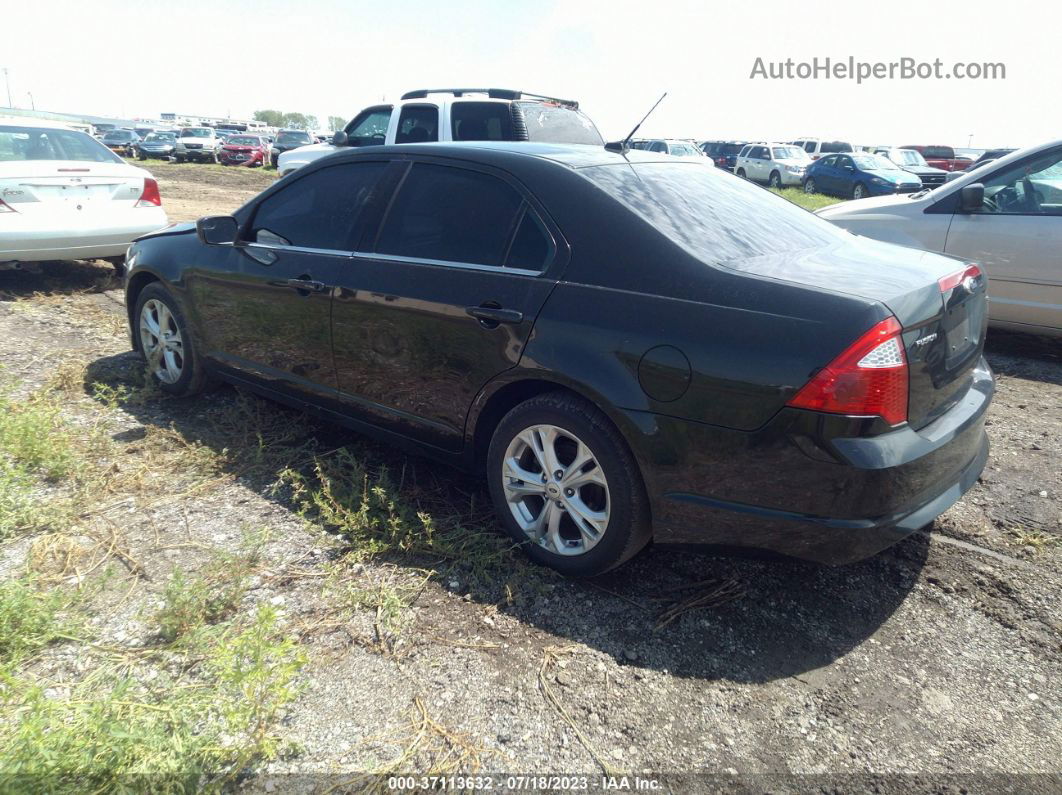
(627, 345)
(157, 144)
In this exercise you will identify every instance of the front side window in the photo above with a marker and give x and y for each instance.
(830, 161)
(1033, 187)
(370, 128)
(452, 215)
(418, 124)
(323, 210)
(38, 143)
(481, 121)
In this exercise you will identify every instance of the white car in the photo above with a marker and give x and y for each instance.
(775, 164)
(64, 195)
(201, 144)
(457, 114)
(816, 147)
(671, 146)
(1006, 216)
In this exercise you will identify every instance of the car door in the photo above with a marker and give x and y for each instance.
(1017, 235)
(760, 161)
(264, 310)
(824, 175)
(443, 300)
(843, 175)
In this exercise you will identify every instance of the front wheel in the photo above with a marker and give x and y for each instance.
(775, 180)
(809, 186)
(165, 341)
(741, 173)
(859, 191)
(564, 484)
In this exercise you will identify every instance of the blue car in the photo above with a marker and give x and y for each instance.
(857, 176)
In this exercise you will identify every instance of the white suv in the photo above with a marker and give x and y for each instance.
(457, 114)
(816, 147)
(775, 164)
(198, 143)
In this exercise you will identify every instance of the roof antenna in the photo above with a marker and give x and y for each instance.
(625, 144)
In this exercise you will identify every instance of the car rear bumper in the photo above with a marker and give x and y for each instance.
(77, 234)
(809, 485)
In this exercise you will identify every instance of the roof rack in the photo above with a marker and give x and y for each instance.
(493, 93)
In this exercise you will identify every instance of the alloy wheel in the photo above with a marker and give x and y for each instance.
(160, 339)
(809, 186)
(556, 490)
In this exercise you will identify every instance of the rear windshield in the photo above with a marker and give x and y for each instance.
(829, 147)
(943, 152)
(717, 218)
(556, 124)
(294, 138)
(35, 143)
(732, 149)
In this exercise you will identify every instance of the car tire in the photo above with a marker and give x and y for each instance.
(273, 161)
(775, 180)
(809, 186)
(608, 484)
(178, 158)
(859, 191)
(740, 172)
(176, 369)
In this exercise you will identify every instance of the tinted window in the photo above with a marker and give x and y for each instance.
(940, 152)
(321, 210)
(731, 149)
(370, 128)
(745, 152)
(418, 124)
(450, 214)
(829, 161)
(294, 138)
(37, 143)
(759, 152)
(717, 218)
(481, 121)
(557, 124)
(657, 146)
(1032, 187)
(835, 146)
(809, 147)
(532, 245)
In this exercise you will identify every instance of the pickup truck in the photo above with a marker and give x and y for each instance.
(941, 157)
(200, 144)
(456, 114)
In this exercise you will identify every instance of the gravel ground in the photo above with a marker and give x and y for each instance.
(936, 663)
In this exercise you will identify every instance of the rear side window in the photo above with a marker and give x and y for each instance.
(36, 143)
(322, 210)
(481, 121)
(532, 245)
(717, 218)
(556, 124)
(809, 147)
(418, 124)
(453, 215)
(835, 146)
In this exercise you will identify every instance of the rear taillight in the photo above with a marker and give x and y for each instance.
(150, 196)
(6, 208)
(953, 280)
(869, 378)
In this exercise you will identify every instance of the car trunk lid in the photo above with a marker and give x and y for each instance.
(36, 186)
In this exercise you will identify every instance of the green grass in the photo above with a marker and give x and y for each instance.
(28, 619)
(809, 201)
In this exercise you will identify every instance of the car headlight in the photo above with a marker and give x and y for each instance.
(883, 183)
(795, 169)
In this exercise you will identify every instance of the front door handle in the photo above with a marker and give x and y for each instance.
(304, 285)
(492, 316)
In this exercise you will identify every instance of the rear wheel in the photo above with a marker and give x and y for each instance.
(809, 186)
(859, 191)
(565, 485)
(775, 180)
(166, 343)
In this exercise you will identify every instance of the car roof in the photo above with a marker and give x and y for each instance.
(571, 155)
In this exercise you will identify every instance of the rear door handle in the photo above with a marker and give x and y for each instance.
(302, 285)
(492, 316)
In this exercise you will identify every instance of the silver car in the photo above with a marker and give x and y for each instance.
(1006, 216)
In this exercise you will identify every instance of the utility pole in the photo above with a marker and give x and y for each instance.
(33, 105)
(8, 81)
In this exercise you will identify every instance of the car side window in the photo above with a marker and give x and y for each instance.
(369, 128)
(845, 162)
(452, 215)
(418, 124)
(829, 161)
(1032, 187)
(658, 146)
(745, 151)
(532, 245)
(481, 121)
(322, 210)
(809, 147)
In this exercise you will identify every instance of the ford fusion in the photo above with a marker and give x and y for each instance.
(626, 345)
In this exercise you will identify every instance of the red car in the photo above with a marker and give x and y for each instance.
(244, 150)
(941, 157)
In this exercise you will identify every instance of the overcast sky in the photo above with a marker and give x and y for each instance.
(333, 57)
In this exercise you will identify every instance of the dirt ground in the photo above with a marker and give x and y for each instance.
(934, 666)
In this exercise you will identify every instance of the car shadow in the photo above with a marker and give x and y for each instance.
(779, 618)
(1020, 355)
(59, 278)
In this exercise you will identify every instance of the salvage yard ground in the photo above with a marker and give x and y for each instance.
(227, 592)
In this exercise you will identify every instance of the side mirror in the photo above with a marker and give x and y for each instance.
(339, 138)
(972, 197)
(217, 230)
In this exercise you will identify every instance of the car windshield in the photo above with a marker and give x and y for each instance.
(939, 152)
(907, 157)
(294, 138)
(36, 143)
(196, 132)
(789, 153)
(873, 163)
(829, 147)
(160, 138)
(243, 140)
(118, 135)
(717, 218)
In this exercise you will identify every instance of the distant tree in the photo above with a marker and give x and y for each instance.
(336, 123)
(311, 122)
(274, 118)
